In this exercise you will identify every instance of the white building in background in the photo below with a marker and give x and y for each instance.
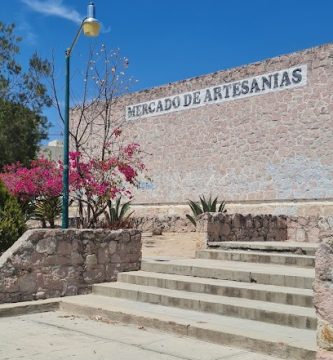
(53, 150)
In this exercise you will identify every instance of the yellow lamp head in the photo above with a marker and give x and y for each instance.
(91, 26)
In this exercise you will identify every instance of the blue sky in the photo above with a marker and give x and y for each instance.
(172, 40)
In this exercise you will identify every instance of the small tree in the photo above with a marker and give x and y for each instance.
(94, 183)
(103, 165)
(22, 130)
(18, 86)
(23, 94)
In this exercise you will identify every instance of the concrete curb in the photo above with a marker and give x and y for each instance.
(29, 307)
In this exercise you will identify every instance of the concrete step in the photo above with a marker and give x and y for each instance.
(299, 248)
(281, 341)
(233, 270)
(252, 291)
(295, 316)
(258, 257)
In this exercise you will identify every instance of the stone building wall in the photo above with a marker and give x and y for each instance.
(271, 151)
(52, 263)
(323, 298)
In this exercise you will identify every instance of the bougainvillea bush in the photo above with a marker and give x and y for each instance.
(38, 188)
(104, 166)
(93, 183)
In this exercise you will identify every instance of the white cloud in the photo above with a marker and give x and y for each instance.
(29, 36)
(54, 8)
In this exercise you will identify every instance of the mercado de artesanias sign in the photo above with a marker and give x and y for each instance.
(256, 85)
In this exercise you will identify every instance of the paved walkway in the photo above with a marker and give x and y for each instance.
(57, 336)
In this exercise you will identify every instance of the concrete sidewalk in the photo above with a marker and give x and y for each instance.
(57, 336)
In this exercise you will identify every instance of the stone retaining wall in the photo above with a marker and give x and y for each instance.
(292, 228)
(309, 228)
(50, 263)
(236, 227)
(168, 223)
(323, 298)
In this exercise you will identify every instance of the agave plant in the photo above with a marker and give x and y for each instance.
(117, 215)
(47, 210)
(203, 206)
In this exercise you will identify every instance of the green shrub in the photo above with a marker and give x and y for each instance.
(203, 206)
(12, 224)
(4, 195)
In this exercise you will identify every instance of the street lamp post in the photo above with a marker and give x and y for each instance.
(91, 28)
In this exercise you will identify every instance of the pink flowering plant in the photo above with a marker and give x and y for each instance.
(93, 183)
(103, 166)
(37, 187)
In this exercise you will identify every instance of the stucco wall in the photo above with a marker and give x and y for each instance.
(273, 148)
(52, 263)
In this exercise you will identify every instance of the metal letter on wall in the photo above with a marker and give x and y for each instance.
(257, 85)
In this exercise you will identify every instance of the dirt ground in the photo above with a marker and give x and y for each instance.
(170, 244)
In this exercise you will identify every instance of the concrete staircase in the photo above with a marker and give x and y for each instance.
(256, 296)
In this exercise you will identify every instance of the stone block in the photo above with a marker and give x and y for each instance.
(46, 245)
(76, 258)
(40, 295)
(157, 230)
(91, 261)
(113, 247)
(71, 290)
(27, 283)
(326, 236)
(95, 275)
(115, 258)
(64, 248)
(302, 220)
(89, 247)
(225, 229)
(325, 335)
(103, 255)
(77, 245)
(10, 284)
(324, 262)
(313, 234)
(125, 237)
(281, 235)
(300, 235)
(57, 260)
